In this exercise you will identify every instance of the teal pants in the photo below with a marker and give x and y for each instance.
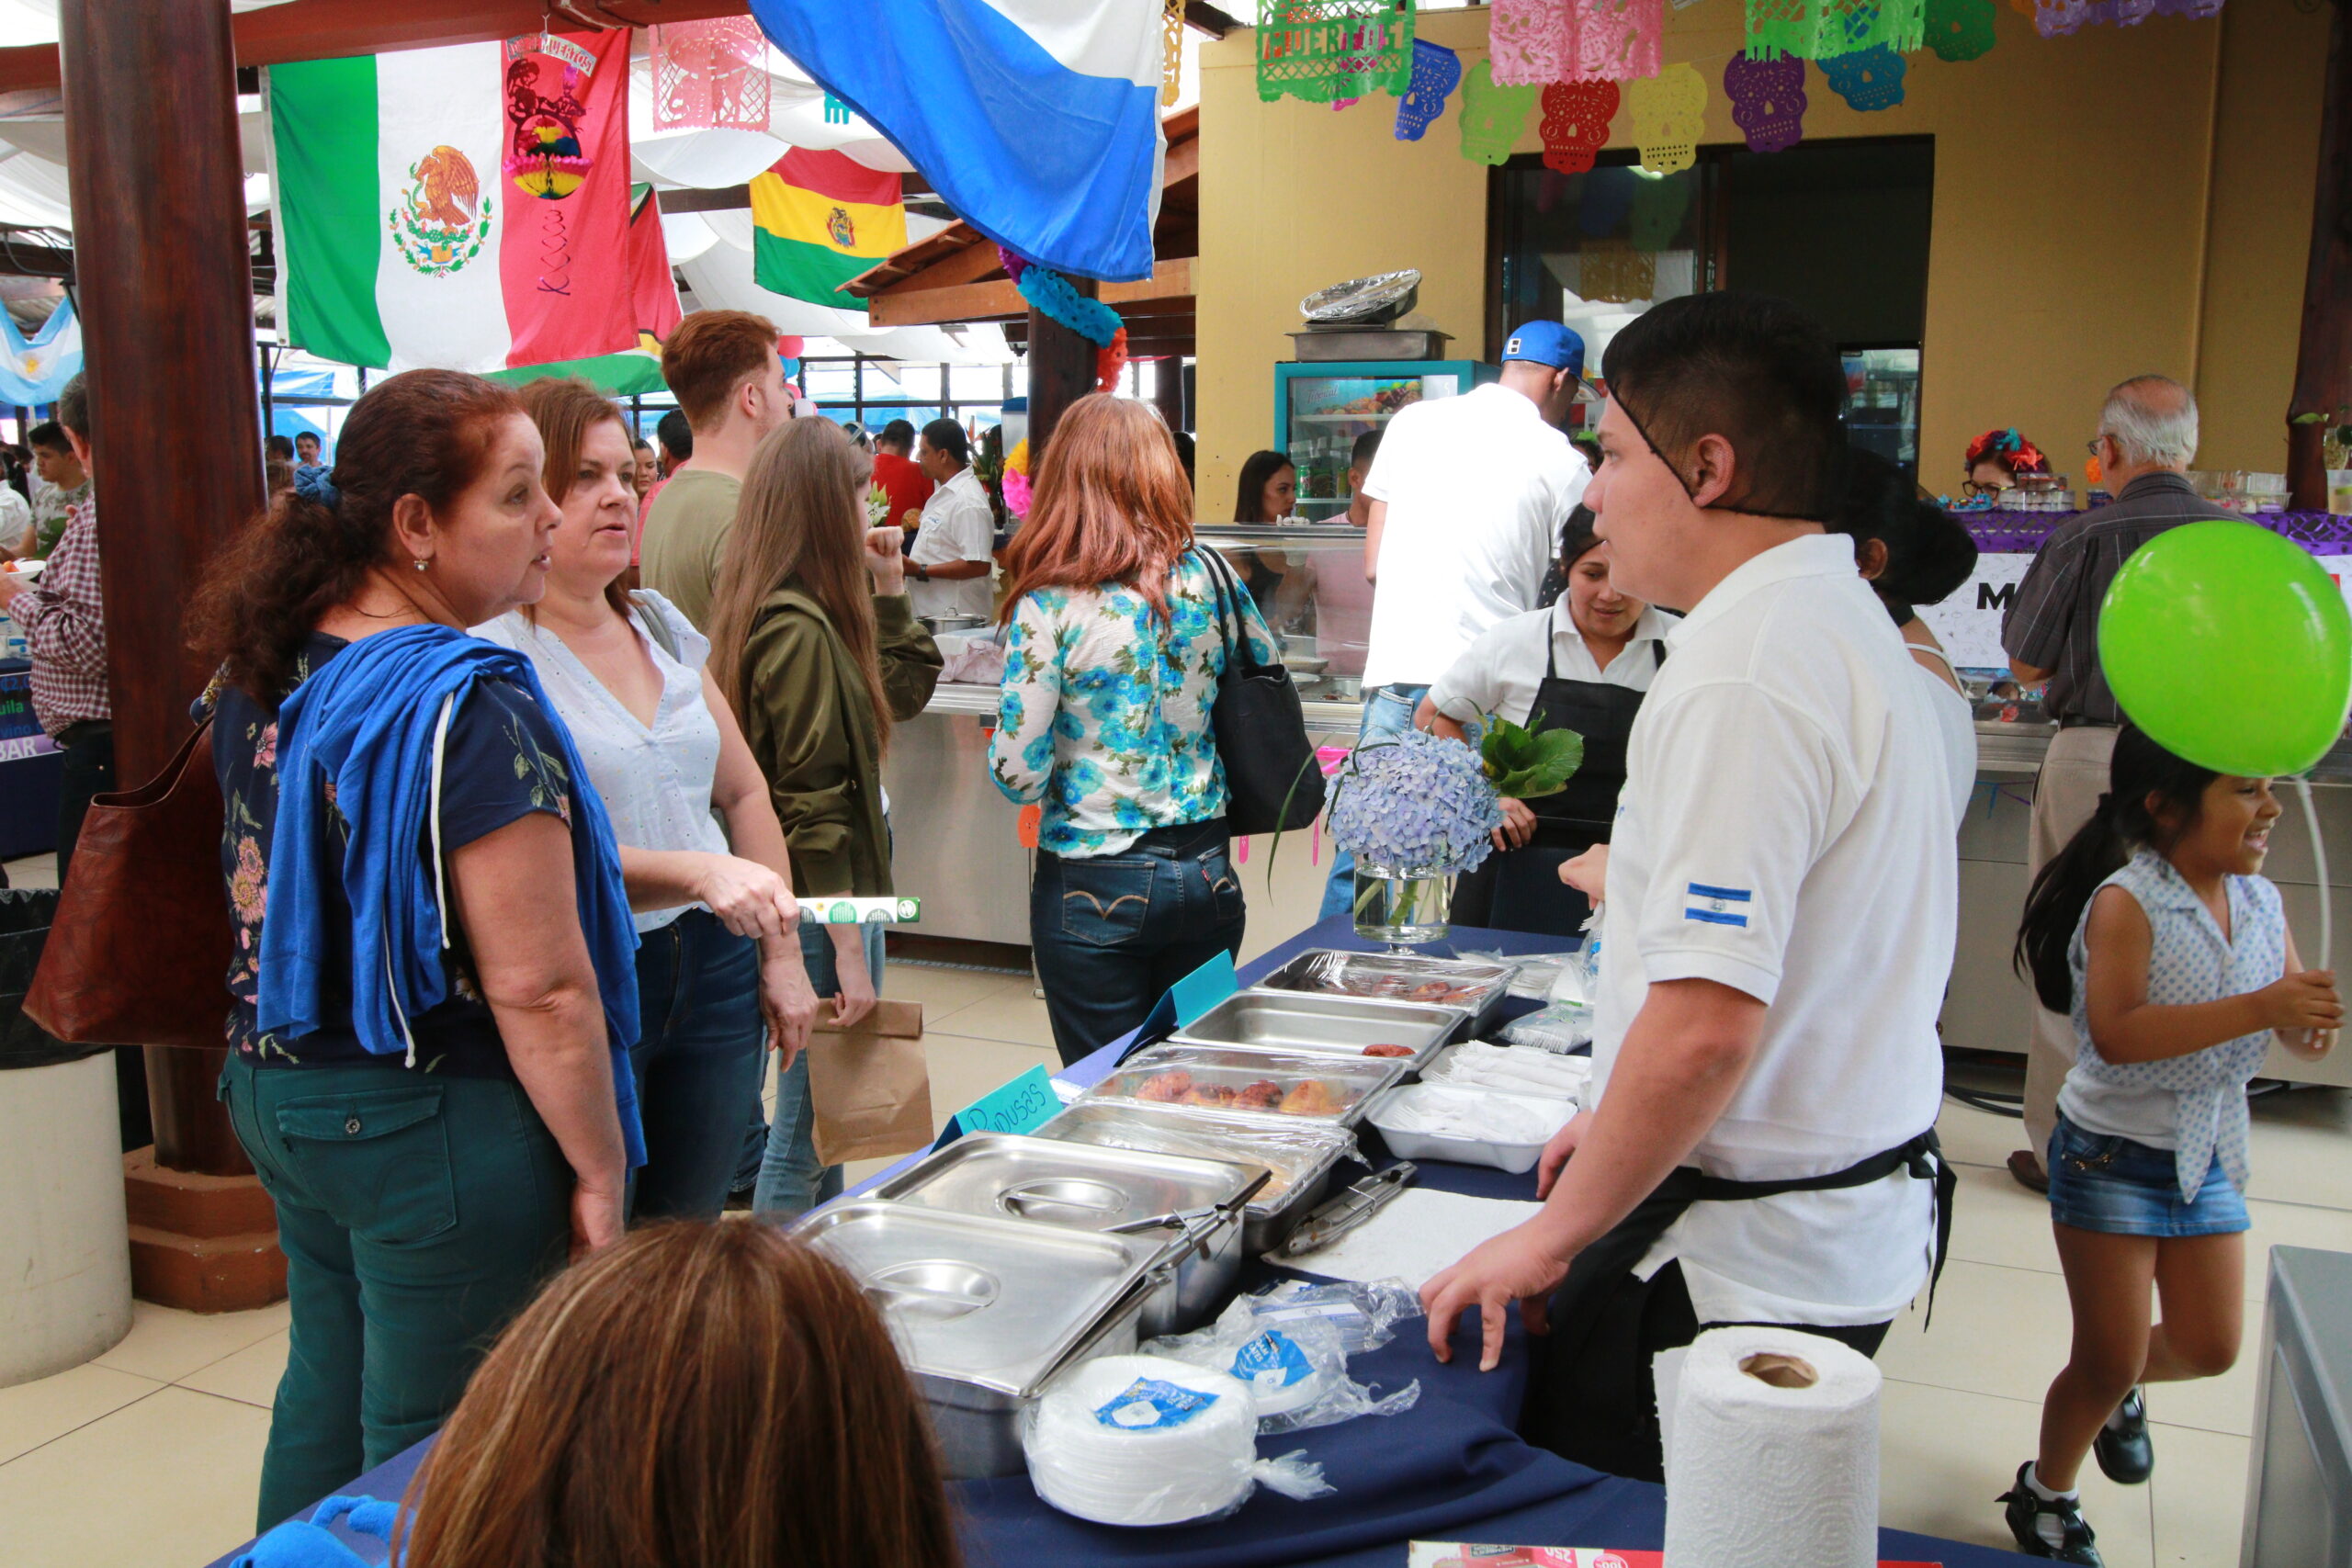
(418, 1216)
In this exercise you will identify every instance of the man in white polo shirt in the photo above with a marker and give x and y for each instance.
(1467, 498)
(1759, 1145)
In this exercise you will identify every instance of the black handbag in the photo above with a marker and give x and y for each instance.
(1271, 772)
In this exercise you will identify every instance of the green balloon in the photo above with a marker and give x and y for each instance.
(2231, 647)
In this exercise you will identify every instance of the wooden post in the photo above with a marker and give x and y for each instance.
(157, 182)
(2324, 357)
(1061, 371)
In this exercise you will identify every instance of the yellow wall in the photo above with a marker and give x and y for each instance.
(2125, 201)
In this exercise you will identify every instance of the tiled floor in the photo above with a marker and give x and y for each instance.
(160, 1439)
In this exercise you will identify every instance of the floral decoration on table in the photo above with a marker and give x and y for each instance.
(1421, 804)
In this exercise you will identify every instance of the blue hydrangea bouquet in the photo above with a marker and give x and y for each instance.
(1416, 812)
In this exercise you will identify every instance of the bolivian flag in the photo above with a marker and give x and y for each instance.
(820, 219)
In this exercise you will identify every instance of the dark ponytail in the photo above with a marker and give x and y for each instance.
(421, 433)
(2142, 772)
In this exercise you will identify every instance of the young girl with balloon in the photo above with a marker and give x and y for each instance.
(2154, 929)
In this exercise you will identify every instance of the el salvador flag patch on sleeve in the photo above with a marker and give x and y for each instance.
(1717, 906)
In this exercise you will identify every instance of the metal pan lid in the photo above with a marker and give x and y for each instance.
(989, 1301)
(1048, 1182)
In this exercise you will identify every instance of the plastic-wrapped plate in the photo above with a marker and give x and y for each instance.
(1383, 296)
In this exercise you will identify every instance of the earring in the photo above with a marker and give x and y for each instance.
(420, 565)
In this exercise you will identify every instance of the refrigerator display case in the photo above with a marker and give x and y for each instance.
(1319, 410)
(1310, 584)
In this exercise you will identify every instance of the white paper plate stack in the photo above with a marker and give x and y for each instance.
(1143, 1440)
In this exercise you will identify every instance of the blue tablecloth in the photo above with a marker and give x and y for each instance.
(1453, 1468)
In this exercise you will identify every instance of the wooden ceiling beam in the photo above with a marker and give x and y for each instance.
(1170, 282)
(973, 264)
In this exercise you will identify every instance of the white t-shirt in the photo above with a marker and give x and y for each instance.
(1956, 722)
(1785, 831)
(1503, 668)
(1477, 488)
(655, 783)
(16, 521)
(957, 527)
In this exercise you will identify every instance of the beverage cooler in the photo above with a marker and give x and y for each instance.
(1320, 409)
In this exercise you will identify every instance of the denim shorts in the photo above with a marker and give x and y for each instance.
(2121, 1187)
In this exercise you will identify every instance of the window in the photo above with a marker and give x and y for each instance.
(1838, 227)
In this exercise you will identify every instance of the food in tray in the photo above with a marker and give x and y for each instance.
(1263, 1095)
(1179, 1086)
(1169, 1088)
(1313, 1098)
(1388, 1051)
(1394, 987)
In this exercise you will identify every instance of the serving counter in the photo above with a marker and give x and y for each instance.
(958, 840)
(1453, 1468)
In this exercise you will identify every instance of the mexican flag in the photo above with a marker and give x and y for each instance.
(467, 208)
(819, 220)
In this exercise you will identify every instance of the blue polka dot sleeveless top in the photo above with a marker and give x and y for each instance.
(2191, 962)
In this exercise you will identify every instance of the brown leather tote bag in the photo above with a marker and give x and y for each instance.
(139, 954)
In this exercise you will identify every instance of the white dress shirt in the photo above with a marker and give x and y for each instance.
(1477, 488)
(1785, 831)
(957, 527)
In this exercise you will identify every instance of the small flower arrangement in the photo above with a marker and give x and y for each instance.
(1419, 804)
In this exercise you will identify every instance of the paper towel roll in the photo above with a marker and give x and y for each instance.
(1775, 1454)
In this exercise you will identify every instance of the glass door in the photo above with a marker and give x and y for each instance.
(1322, 410)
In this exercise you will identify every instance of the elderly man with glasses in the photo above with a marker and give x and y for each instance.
(2147, 438)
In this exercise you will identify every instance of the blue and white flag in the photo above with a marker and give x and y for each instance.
(1037, 120)
(1717, 906)
(34, 373)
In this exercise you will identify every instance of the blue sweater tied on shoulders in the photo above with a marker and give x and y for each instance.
(374, 720)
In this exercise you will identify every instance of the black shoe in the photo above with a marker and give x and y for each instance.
(2125, 1455)
(738, 1201)
(2026, 1509)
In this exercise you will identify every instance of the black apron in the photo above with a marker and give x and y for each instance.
(1520, 889)
(1591, 1397)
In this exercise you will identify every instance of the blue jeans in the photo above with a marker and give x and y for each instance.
(1387, 713)
(1112, 932)
(696, 1060)
(791, 1180)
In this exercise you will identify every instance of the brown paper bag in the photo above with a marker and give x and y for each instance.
(870, 1085)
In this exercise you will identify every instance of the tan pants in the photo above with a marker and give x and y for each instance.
(2073, 775)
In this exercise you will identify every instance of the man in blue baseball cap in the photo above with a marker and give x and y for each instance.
(1467, 498)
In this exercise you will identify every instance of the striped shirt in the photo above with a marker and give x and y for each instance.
(2052, 624)
(66, 626)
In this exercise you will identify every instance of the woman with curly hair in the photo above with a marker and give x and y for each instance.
(1996, 459)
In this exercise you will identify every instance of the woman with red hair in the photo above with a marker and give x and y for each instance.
(1119, 628)
(1996, 459)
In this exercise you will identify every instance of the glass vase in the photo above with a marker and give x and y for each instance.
(1401, 906)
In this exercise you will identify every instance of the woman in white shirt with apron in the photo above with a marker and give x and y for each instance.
(1582, 664)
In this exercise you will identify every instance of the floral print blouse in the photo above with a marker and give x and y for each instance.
(1105, 712)
(502, 763)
